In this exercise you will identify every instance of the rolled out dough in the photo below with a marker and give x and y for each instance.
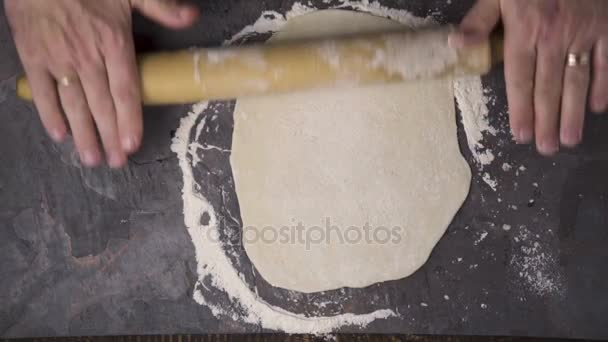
(346, 188)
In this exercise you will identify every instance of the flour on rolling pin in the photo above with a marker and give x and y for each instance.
(214, 269)
(408, 56)
(306, 64)
(416, 56)
(303, 64)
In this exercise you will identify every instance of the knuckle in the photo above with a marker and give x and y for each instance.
(103, 113)
(548, 33)
(547, 87)
(578, 78)
(520, 86)
(113, 36)
(89, 62)
(86, 57)
(33, 52)
(125, 94)
(519, 119)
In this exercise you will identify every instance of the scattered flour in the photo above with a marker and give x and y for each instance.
(213, 264)
(535, 265)
(470, 95)
(482, 237)
(492, 183)
(215, 269)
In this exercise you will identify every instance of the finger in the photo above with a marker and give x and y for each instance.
(170, 13)
(599, 88)
(44, 92)
(81, 123)
(548, 87)
(477, 24)
(576, 88)
(99, 98)
(520, 61)
(124, 84)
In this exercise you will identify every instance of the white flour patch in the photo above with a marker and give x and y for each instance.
(215, 269)
(429, 47)
(535, 265)
(473, 104)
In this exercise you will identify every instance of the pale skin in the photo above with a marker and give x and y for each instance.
(547, 99)
(91, 43)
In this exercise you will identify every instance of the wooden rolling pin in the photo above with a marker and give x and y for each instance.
(233, 72)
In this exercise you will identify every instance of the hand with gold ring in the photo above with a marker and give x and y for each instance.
(80, 60)
(551, 47)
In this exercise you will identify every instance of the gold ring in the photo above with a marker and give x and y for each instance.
(576, 60)
(66, 80)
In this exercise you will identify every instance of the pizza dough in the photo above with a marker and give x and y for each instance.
(346, 188)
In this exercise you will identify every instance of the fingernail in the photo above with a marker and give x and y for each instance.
(115, 160)
(571, 138)
(57, 135)
(129, 144)
(523, 135)
(89, 158)
(548, 147)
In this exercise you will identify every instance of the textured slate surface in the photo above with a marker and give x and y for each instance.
(99, 252)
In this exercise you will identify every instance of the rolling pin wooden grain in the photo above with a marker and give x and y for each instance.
(233, 72)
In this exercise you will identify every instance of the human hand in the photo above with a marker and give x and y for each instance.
(80, 61)
(549, 49)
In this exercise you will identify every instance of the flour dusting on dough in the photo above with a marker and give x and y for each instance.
(469, 92)
(213, 266)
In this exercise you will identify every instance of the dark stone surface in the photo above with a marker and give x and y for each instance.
(86, 252)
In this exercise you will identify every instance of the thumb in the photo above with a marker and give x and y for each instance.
(477, 24)
(169, 13)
